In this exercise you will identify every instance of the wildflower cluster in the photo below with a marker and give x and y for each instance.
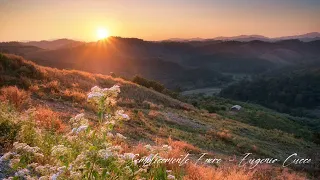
(79, 123)
(87, 152)
(21, 156)
(103, 99)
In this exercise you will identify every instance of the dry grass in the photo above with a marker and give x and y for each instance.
(34, 88)
(150, 105)
(184, 146)
(53, 85)
(233, 172)
(195, 172)
(74, 96)
(17, 97)
(154, 114)
(141, 150)
(127, 102)
(222, 134)
(48, 119)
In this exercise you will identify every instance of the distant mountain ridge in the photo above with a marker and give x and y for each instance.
(246, 38)
(54, 44)
(187, 65)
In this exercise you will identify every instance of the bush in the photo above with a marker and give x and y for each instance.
(155, 86)
(8, 132)
(316, 137)
(48, 119)
(17, 97)
(8, 128)
(148, 83)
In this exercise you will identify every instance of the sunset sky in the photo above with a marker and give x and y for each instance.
(155, 19)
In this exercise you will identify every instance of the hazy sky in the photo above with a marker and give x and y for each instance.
(155, 19)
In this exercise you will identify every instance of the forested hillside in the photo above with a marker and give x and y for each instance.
(293, 90)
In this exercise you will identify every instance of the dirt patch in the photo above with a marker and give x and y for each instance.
(184, 121)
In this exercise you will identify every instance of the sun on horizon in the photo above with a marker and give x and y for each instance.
(102, 33)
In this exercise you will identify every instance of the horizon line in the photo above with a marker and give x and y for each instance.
(168, 39)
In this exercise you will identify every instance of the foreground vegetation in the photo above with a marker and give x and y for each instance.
(49, 129)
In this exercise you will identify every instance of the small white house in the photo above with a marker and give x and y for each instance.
(236, 108)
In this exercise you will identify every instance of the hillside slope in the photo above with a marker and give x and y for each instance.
(154, 116)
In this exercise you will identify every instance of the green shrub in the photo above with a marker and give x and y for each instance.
(155, 86)
(8, 132)
(8, 129)
(148, 83)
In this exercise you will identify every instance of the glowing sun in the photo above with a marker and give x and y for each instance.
(102, 33)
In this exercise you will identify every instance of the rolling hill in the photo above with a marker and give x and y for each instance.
(292, 90)
(187, 65)
(154, 117)
(54, 44)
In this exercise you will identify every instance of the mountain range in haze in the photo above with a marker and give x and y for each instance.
(246, 38)
(183, 64)
(54, 44)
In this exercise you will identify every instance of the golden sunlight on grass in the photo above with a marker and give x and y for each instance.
(102, 33)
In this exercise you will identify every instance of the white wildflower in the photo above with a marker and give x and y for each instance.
(105, 90)
(171, 177)
(6, 156)
(60, 171)
(81, 128)
(74, 130)
(23, 147)
(75, 175)
(79, 120)
(59, 150)
(81, 158)
(107, 116)
(79, 116)
(111, 122)
(92, 95)
(95, 89)
(121, 136)
(62, 168)
(14, 162)
(33, 165)
(148, 147)
(55, 176)
(166, 147)
(43, 178)
(115, 88)
(128, 156)
(116, 148)
(105, 153)
(42, 170)
(22, 172)
(120, 115)
(109, 134)
(39, 155)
